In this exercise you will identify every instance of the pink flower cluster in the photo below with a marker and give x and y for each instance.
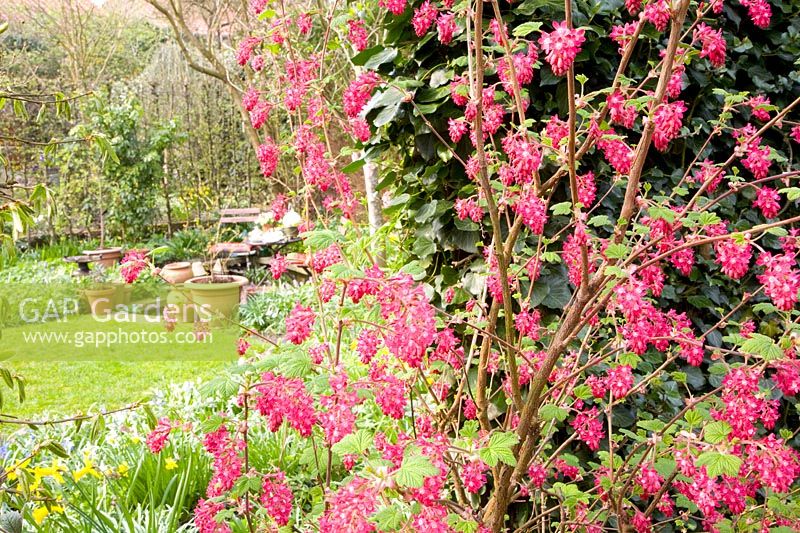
(299, 323)
(157, 439)
(561, 46)
(359, 92)
(280, 398)
(132, 265)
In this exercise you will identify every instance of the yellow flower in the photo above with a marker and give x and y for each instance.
(122, 469)
(53, 471)
(41, 512)
(88, 468)
(171, 464)
(13, 471)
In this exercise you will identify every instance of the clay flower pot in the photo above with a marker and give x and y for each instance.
(101, 299)
(216, 295)
(175, 273)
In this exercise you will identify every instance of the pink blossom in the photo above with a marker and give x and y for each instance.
(473, 476)
(246, 48)
(527, 323)
(367, 345)
(760, 12)
(357, 34)
(468, 208)
(424, 17)
(359, 92)
(456, 128)
(242, 346)
(712, 42)
(299, 324)
(524, 156)
(277, 267)
(795, 133)
(769, 201)
(620, 111)
(667, 120)
(523, 68)
(622, 35)
(733, 258)
(360, 129)
(304, 23)
(259, 114)
(757, 160)
(205, 517)
(561, 45)
(250, 98)
(350, 508)
(781, 278)
(132, 265)
(446, 27)
(281, 398)
(267, 155)
(619, 380)
(657, 13)
(538, 474)
(589, 428)
(157, 439)
(395, 6)
(587, 190)
(757, 104)
(459, 91)
(618, 154)
(277, 497)
(533, 211)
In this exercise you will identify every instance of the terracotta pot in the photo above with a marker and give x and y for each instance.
(216, 295)
(101, 300)
(175, 273)
(107, 257)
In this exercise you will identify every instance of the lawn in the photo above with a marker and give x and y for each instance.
(108, 370)
(66, 388)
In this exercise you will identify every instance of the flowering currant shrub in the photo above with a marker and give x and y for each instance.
(571, 353)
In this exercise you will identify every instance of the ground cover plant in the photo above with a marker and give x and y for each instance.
(581, 314)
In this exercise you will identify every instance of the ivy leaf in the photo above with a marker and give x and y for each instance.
(375, 56)
(499, 449)
(413, 471)
(718, 463)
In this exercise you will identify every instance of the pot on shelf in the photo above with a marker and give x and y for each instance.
(107, 257)
(216, 295)
(176, 273)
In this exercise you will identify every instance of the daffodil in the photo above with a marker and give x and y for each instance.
(122, 469)
(88, 468)
(12, 472)
(41, 512)
(171, 464)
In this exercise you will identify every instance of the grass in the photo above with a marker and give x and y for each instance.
(63, 378)
(65, 388)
